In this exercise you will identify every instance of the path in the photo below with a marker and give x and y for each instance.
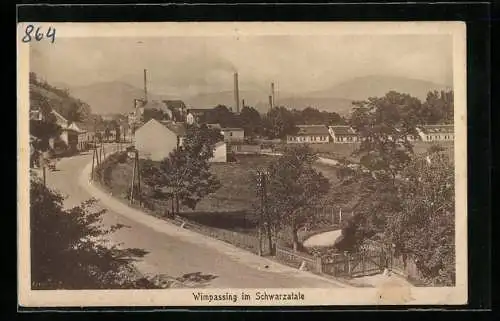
(322, 239)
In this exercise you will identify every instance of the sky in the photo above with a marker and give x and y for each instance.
(192, 65)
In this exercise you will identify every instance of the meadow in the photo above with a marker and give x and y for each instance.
(234, 205)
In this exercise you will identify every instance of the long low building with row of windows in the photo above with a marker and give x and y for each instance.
(320, 134)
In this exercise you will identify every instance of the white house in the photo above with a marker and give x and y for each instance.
(316, 134)
(432, 133)
(233, 134)
(155, 140)
(343, 134)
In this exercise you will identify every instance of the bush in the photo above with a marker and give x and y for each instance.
(67, 248)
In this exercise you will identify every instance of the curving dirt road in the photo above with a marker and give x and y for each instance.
(175, 251)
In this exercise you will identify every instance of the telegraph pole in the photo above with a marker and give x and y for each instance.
(136, 175)
(259, 189)
(266, 213)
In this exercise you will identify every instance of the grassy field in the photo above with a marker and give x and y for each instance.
(232, 206)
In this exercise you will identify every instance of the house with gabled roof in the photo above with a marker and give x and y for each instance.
(432, 133)
(309, 134)
(343, 134)
(155, 140)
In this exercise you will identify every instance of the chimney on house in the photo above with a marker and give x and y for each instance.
(236, 93)
(272, 95)
(145, 86)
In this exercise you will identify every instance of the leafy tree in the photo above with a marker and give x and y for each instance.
(185, 175)
(438, 108)
(250, 120)
(279, 122)
(425, 225)
(384, 126)
(294, 187)
(46, 128)
(68, 248)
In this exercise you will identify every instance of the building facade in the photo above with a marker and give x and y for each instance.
(155, 140)
(433, 133)
(343, 134)
(233, 134)
(309, 134)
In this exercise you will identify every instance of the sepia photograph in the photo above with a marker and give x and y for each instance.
(226, 164)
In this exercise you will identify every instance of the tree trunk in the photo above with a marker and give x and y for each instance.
(177, 204)
(295, 238)
(269, 237)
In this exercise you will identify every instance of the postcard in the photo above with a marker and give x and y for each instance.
(242, 164)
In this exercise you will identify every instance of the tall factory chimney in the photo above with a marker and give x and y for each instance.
(236, 93)
(145, 86)
(243, 103)
(270, 102)
(272, 95)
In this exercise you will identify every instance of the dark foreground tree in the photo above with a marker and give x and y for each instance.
(425, 225)
(294, 188)
(69, 248)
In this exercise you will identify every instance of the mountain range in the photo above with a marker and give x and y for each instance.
(118, 97)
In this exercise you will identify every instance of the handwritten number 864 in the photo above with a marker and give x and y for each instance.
(38, 35)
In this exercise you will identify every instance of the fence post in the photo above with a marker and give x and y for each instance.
(319, 265)
(348, 262)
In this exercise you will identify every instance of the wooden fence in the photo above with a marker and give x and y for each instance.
(245, 241)
(296, 259)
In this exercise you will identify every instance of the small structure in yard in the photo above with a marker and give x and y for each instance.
(312, 134)
(155, 140)
(432, 133)
(86, 135)
(233, 134)
(343, 134)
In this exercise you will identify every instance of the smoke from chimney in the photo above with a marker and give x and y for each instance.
(236, 93)
(145, 86)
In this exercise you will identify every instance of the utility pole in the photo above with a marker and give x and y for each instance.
(136, 175)
(44, 175)
(266, 213)
(93, 163)
(259, 189)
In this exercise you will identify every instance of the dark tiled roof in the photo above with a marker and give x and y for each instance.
(216, 126)
(175, 104)
(311, 130)
(342, 130)
(232, 129)
(198, 110)
(155, 104)
(177, 128)
(436, 129)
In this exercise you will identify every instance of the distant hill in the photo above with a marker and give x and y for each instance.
(376, 86)
(46, 95)
(111, 97)
(118, 97)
